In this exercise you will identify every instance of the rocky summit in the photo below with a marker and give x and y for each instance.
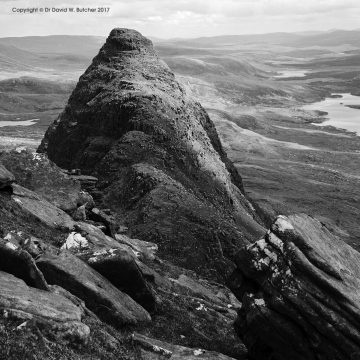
(129, 236)
(158, 157)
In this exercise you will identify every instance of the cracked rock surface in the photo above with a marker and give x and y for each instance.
(300, 287)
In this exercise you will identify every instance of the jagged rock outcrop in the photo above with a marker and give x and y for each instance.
(300, 288)
(159, 160)
(35, 172)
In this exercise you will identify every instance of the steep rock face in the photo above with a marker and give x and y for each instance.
(157, 154)
(300, 288)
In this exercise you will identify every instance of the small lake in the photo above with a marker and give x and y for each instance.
(18, 123)
(291, 74)
(339, 114)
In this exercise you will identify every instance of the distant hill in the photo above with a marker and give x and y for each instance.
(56, 44)
(272, 38)
(12, 57)
(300, 39)
(47, 52)
(29, 85)
(39, 55)
(31, 50)
(332, 38)
(27, 94)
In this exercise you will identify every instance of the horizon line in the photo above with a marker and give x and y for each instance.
(189, 38)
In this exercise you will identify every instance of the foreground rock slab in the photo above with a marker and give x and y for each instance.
(301, 293)
(145, 249)
(55, 314)
(39, 208)
(152, 349)
(18, 262)
(99, 295)
(121, 269)
(37, 173)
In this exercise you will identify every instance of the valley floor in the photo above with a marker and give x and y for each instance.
(289, 164)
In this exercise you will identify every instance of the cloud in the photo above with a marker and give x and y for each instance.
(187, 18)
(281, 7)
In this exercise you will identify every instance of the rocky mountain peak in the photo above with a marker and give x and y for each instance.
(157, 154)
(127, 40)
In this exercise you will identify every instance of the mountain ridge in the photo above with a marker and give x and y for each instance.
(150, 240)
(129, 121)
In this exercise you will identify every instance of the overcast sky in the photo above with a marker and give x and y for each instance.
(181, 18)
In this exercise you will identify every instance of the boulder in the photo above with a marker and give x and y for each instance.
(98, 240)
(116, 261)
(300, 288)
(19, 262)
(152, 349)
(54, 314)
(121, 269)
(80, 213)
(37, 173)
(31, 244)
(6, 177)
(93, 234)
(40, 209)
(84, 198)
(75, 241)
(99, 295)
(144, 249)
(108, 220)
(20, 239)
